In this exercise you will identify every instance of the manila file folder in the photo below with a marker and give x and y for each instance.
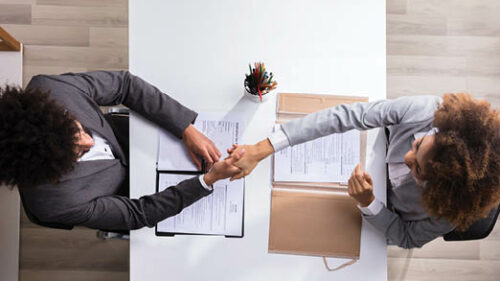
(314, 218)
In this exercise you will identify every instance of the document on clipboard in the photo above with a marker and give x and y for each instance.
(221, 212)
(311, 211)
(330, 158)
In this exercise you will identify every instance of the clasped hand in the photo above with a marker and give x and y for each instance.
(360, 186)
(199, 145)
(253, 155)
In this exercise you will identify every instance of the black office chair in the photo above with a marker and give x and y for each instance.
(478, 230)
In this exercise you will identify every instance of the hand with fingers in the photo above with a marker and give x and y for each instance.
(199, 145)
(224, 169)
(360, 187)
(253, 155)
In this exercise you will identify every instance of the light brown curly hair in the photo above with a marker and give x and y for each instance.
(464, 184)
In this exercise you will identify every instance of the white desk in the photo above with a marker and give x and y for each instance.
(198, 51)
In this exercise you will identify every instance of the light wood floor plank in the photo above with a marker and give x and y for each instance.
(49, 35)
(443, 270)
(485, 87)
(76, 56)
(428, 65)
(490, 249)
(395, 6)
(486, 25)
(443, 45)
(416, 25)
(440, 249)
(428, 7)
(15, 13)
(73, 275)
(479, 87)
(109, 37)
(485, 66)
(406, 85)
(443, 65)
(83, 16)
(98, 3)
(17, 2)
(480, 9)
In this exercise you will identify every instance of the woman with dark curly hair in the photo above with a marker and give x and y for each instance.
(70, 161)
(443, 161)
(36, 134)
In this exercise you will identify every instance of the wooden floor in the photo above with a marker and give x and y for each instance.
(433, 47)
(69, 36)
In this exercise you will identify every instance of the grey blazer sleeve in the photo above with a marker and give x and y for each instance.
(408, 234)
(361, 116)
(119, 212)
(107, 88)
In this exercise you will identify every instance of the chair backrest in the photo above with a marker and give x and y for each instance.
(478, 230)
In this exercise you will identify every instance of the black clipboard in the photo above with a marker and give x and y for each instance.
(194, 173)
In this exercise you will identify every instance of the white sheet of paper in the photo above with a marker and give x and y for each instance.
(223, 129)
(220, 213)
(328, 159)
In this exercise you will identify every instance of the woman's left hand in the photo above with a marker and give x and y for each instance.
(360, 187)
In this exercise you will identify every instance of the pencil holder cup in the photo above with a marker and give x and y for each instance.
(258, 83)
(256, 98)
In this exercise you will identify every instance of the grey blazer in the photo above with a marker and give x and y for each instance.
(89, 194)
(405, 223)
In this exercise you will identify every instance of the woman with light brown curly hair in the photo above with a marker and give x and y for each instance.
(443, 160)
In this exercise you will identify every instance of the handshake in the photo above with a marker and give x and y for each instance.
(242, 160)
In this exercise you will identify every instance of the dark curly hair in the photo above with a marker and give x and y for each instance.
(465, 181)
(37, 138)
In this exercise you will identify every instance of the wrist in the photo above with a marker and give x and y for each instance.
(210, 178)
(187, 131)
(367, 202)
(264, 149)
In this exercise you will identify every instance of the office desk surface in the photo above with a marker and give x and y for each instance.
(198, 52)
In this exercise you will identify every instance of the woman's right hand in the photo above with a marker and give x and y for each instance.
(253, 155)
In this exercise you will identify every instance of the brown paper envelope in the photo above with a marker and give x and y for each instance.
(318, 224)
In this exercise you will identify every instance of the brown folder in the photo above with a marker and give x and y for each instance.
(318, 219)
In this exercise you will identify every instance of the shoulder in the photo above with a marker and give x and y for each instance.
(416, 108)
(39, 82)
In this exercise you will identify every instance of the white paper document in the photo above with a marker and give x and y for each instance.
(223, 129)
(328, 159)
(220, 213)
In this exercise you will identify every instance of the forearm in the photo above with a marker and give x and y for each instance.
(360, 116)
(157, 106)
(337, 119)
(107, 88)
(118, 212)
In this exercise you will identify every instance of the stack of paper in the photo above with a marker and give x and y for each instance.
(220, 213)
(328, 159)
